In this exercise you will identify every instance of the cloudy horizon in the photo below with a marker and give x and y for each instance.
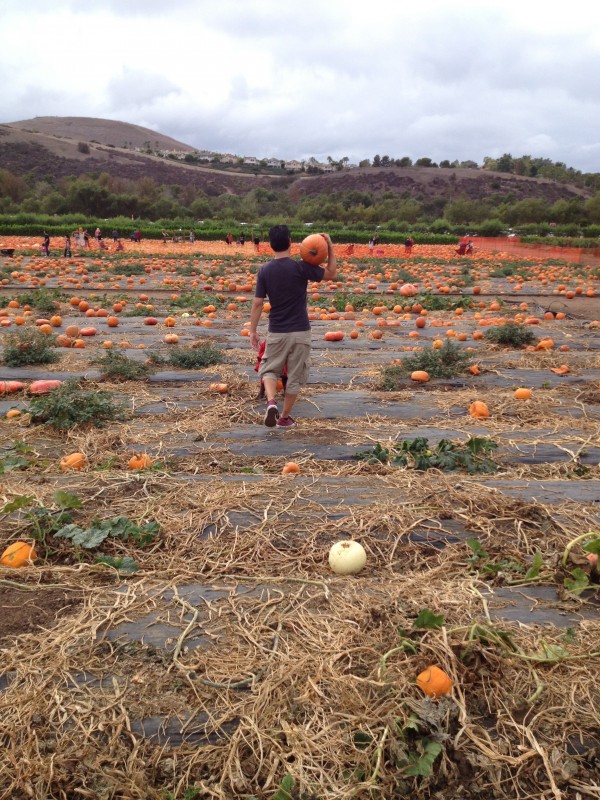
(445, 80)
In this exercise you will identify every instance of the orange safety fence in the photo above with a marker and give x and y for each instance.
(514, 246)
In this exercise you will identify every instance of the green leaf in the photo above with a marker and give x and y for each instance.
(125, 565)
(22, 501)
(536, 566)
(11, 463)
(88, 538)
(593, 545)
(66, 500)
(427, 619)
(476, 547)
(422, 765)
(578, 582)
(285, 787)
(549, 653)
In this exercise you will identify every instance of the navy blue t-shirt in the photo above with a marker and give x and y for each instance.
(284, 281)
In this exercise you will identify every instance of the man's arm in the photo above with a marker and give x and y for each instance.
(257, 307)
(331, 267)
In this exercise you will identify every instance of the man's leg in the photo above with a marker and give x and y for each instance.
(288, 403)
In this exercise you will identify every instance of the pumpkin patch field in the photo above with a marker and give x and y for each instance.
(399, 597)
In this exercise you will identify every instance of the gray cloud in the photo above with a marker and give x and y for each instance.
(451, 79)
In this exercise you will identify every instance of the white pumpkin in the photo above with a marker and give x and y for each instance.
(347, 557)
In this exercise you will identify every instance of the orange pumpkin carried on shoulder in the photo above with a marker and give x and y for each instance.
(313, 249)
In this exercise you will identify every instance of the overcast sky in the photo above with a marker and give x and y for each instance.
(455, 79)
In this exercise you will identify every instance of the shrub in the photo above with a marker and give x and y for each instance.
(28, 346)
(511, 334)
(119, 367)
(44, 300)
(67, 406)
(474, 456)
(447, 362)
(203, 354)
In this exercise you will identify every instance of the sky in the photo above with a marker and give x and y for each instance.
(441, 79)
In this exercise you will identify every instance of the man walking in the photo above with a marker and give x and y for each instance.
(285, 281)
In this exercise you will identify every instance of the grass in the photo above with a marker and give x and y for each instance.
(447, 362)
(69, 405)
(28, 346)
(44, 300)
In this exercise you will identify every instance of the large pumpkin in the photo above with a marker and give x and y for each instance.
(73, 461)
(17, 555)
(479, 410)
(9, 387)
(43, 387)
(313, 249)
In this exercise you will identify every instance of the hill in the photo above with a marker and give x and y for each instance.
(52, 146)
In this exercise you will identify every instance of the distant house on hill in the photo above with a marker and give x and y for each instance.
(228, 159)
(274, 162)
(251, 160)
(296, 166)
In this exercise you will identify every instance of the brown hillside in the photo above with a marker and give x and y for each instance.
(103, 131)
(48, 146)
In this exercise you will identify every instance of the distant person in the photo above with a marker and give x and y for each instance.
(408, 245)
(97, 234)
(46, 244)
(371, 244)
(469, 248)
(119, 246)
(229, 239)
(86, 240)
(242, 239)
(256, 242)
(192, 237)
(115, 235)
(462, 248)
(67, 250)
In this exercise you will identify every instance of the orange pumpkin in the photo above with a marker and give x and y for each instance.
(522, 394)
(44, 386)
(56, 321)
(291, 468)
(18, 555)
(10, 387)
(313, 249)
(13, 413)
(334, 336)
(220, 388)
(171, 338)
(150, 321)
(140, 461)
(434, 682)
(420, 376)
(73, 461)
(112, 322)
(479, 410)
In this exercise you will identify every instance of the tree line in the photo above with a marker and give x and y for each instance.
(105, 196)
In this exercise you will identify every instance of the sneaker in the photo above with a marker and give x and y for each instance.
(285, 422)
(271, 414)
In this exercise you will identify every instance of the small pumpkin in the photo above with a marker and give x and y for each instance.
(313, 249)
(150, 321)
(522, 394)
(479, 410)
(334, 336)
(13, 413)
(73, 461)
(291, 468)
(434, 682)
(140, 461)
(18, 555)
(420, 376)
(171, 338)
(220, 388)
(347, 557)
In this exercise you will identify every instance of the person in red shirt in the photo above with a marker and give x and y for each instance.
(285, 281)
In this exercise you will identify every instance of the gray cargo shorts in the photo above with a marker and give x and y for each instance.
(291, 350)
